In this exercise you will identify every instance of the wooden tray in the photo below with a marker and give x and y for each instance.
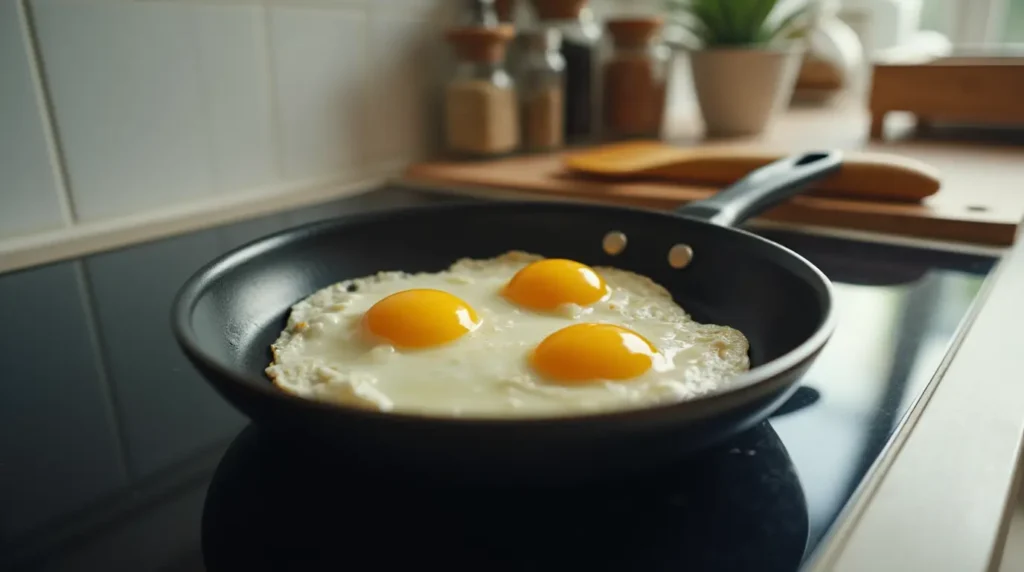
(942, 216)
(985, 90)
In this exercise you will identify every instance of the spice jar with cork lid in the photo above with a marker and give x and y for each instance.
(481, 111)
(635, 78)
(541, 84)
(581, 38)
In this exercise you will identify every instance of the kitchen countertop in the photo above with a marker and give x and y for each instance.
(945, 499)
(946, 492)
(894, 502)
(779, 487)
(977, 201)
(943, 494)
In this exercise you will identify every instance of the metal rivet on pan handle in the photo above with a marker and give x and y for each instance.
(680, 256)
(614, 243)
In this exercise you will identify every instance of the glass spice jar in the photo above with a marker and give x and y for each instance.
(635, 78)
(480, 13)
(581, 39)
(481, 110)
(542, 90)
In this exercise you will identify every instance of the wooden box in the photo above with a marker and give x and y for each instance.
(984, 90)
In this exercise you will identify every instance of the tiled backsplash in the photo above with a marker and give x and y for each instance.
(118, 108)
(162, 103)
(31, 197)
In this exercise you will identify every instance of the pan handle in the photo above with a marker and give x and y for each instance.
(764, 188)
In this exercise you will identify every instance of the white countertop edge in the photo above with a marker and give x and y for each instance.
(944, 501)
(86, 238)
(940, 498)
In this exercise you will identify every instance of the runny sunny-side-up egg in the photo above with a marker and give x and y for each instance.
(512, 336)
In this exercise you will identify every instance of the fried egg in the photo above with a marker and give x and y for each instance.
(518, 335)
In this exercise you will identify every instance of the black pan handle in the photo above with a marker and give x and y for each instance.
(764, 188)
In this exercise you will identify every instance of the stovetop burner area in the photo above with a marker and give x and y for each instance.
(116, 455)
(320, 513)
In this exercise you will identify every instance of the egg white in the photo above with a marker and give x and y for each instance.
(324, 354)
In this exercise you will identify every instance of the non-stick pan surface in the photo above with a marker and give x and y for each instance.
(227, 315)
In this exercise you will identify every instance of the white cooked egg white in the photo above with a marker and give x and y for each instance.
(325, 353)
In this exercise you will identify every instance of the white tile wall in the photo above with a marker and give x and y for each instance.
(320, 64)
(401, 84)
(234, 72)
(128, 104)
(158, 103)
(166, 102)
(29, 194)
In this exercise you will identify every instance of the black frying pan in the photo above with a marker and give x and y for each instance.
(227, 315)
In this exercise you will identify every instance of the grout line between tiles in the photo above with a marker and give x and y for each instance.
(44, 102)
(103, 371)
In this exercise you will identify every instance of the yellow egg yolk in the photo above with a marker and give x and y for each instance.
(585, 353)
(420, 318)
(547, 284)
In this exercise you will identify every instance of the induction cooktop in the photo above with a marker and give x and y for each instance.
(115, 455)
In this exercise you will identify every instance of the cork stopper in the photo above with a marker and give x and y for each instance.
(633, 32)
(558, 9)
(481, 44)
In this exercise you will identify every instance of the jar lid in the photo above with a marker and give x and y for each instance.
(543, 39)
(558, 9)
(481, 43)
(633, 31)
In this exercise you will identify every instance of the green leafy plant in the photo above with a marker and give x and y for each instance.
(737, 23)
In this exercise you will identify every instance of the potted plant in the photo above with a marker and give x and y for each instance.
(744, 58)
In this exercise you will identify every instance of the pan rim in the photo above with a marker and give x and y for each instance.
(745, 387)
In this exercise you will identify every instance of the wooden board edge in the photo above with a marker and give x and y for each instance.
(976, 232)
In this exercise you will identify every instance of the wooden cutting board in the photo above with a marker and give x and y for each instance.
(946, 215)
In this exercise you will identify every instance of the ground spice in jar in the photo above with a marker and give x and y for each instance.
(481, 108)
(481, 117)
(541, 85)
(635, 78)
(543, 111)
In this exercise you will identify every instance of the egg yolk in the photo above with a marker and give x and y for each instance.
(585, 353)
(548, 284)
(420, 318)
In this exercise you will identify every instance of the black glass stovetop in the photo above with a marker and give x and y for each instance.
(115, 455)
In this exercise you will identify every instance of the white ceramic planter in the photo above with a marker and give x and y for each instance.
(739, 90)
